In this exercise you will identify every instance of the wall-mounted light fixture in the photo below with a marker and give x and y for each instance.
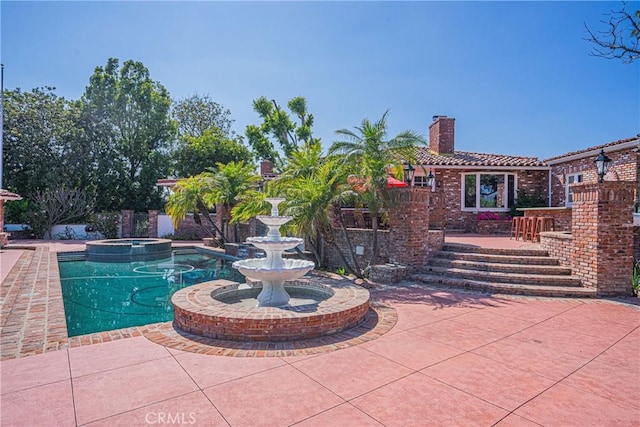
(409, 171)
(602, 165)
(430, 179)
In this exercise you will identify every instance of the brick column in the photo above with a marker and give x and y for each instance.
(127, 223)
(409, 226)
(153, 224)
(602, 229)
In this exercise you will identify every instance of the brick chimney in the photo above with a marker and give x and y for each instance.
(266, 168)
(441, 135)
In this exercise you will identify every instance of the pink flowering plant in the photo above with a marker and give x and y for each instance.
(490, 216)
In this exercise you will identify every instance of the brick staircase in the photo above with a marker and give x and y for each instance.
(509, 271)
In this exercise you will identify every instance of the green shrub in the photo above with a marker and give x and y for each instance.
(527, 200)
(106, 223)
(635, 278)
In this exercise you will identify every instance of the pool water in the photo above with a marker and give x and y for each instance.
(102, 296)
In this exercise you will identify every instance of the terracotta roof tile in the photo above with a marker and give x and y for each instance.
(464, 158)
(597, 147)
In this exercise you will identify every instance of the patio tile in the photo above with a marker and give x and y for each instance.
(108, 393)
(513, 420)
(624, 353)
(90, 359)
(613, 382)
(489, 380)
(581, 345)
(490, 321)
(46, 405)
(574, 321)
(340, 416)
(208, 370)
(413, 351)
(192, 409)
(567, 406)
(609, 312)
(533, 357)
(418, 400)
(26, 372)
(351, 372)
(457, 334)
(280, 396)
(531, 310)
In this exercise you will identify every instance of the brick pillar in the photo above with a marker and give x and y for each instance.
(220, 213)
(409, 226)
(602, 229)
(127, 223)
(153, 224)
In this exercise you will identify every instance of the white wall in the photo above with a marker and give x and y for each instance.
(165, 225)
(75, 232)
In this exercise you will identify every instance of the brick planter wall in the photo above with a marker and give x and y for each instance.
(501, 226)
(603, 235)
(559, 245)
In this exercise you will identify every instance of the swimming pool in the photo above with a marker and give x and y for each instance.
(102, 296)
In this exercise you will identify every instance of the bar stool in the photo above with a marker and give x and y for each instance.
(515, 227)
(544, 223)
(530, 228)
(522, 222)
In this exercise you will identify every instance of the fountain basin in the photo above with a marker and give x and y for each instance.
(218, 309)
(128, 250)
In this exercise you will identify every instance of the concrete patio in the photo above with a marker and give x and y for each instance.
(452, 358)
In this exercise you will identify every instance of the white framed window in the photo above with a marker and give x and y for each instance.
(571, 179)
(421, 181)
(488, 191)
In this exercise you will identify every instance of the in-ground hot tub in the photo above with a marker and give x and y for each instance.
(128, 250)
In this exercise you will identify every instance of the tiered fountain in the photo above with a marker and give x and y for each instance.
(273, 271)
(267, 309)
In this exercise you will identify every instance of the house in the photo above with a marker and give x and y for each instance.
(471, 183)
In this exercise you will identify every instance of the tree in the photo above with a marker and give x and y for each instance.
(621, 37)
(40, 147)
(277, 124)
(188, 196)
(369, 155)
(195, 154)
(61, 206)
(198, 114)
(314, 201)
(227, 185)
(127, 115)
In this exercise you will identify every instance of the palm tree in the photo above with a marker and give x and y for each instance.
(313, 201)
(226, 186)
(370, 156)
(188, 196)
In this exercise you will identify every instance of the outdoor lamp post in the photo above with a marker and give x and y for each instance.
(409, 171)
(602, 165)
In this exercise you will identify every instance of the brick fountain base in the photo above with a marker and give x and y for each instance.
(226, 310)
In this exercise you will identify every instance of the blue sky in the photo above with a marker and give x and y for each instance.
(517, 76)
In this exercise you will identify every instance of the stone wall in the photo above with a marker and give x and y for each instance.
(359, 237)
(623, 167)
(561, 217)
(603, 235)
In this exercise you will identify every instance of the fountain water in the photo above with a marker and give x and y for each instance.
(273, 270)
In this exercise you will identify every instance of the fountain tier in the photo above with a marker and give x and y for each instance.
(273, 270)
